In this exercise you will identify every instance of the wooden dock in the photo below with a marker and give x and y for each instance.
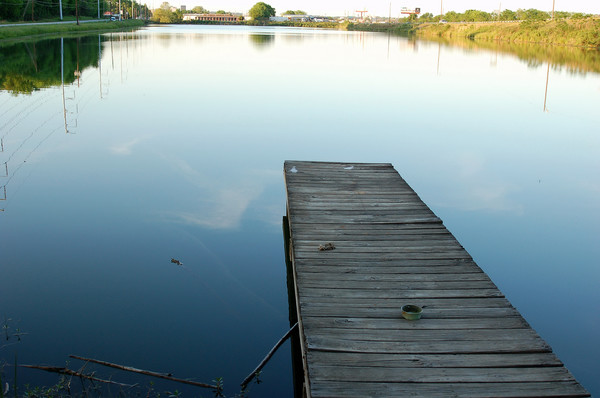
(391, 250)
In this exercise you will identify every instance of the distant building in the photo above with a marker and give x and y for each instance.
(210, 17)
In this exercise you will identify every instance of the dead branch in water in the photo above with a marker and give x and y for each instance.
(269, 355)
(69, 372)
(166, 376)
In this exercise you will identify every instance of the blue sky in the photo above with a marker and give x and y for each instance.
(382, 7)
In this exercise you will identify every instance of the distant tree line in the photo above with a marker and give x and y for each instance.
(168, 14)
(28, 10)
(292, 12)
(506, 15)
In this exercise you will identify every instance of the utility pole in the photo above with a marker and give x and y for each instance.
(60, 8)
(390, 17)
(553, 8)
(77, 11)
(441, 8)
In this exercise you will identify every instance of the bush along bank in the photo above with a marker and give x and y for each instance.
(569, 32)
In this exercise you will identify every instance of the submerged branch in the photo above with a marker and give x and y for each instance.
(69, 372)
(269, 355)
(166, 376)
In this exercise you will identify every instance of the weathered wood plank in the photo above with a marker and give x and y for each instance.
(350, 389)
(434, 360)
(418, 337)
(415, 276)
(431, 347)
(392, 285)
(382, 323)
(390, 250)
(309, 309)
(404, 294)
(427, 303)
(439, 375)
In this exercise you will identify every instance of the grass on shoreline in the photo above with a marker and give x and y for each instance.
(567, 32)
(24, 31)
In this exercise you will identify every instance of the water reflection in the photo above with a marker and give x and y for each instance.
(178, 155)
(30, 66)
(573, 59)
(262, 40)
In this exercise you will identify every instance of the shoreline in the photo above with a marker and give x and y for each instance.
(25, 31)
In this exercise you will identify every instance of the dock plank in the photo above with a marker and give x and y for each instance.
(390, 249)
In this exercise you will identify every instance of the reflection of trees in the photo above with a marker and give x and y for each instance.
(262, 40)
(574, 59)
(26, 67)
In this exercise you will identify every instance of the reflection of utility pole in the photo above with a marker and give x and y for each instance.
(100, 64)
(77, 72)
(546, 94)
(62, 78)
(439, 51)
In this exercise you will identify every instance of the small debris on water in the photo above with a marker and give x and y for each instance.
(293, 169)
(326, 246)
(176, 262)
(348, 168)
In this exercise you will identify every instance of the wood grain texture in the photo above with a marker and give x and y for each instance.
(390, 249)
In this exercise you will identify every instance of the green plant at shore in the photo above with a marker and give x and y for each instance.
(583, 32)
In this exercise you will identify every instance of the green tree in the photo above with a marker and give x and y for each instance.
(292, 12)
(200, 10)
(177, 16)
(220, 12)
(261, 11)
(508, 15)
(452, 16)
(476, 16)
(10, 9)
(426, 17)
(532, 15)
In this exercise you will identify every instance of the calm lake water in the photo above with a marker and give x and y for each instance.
(121, 151)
